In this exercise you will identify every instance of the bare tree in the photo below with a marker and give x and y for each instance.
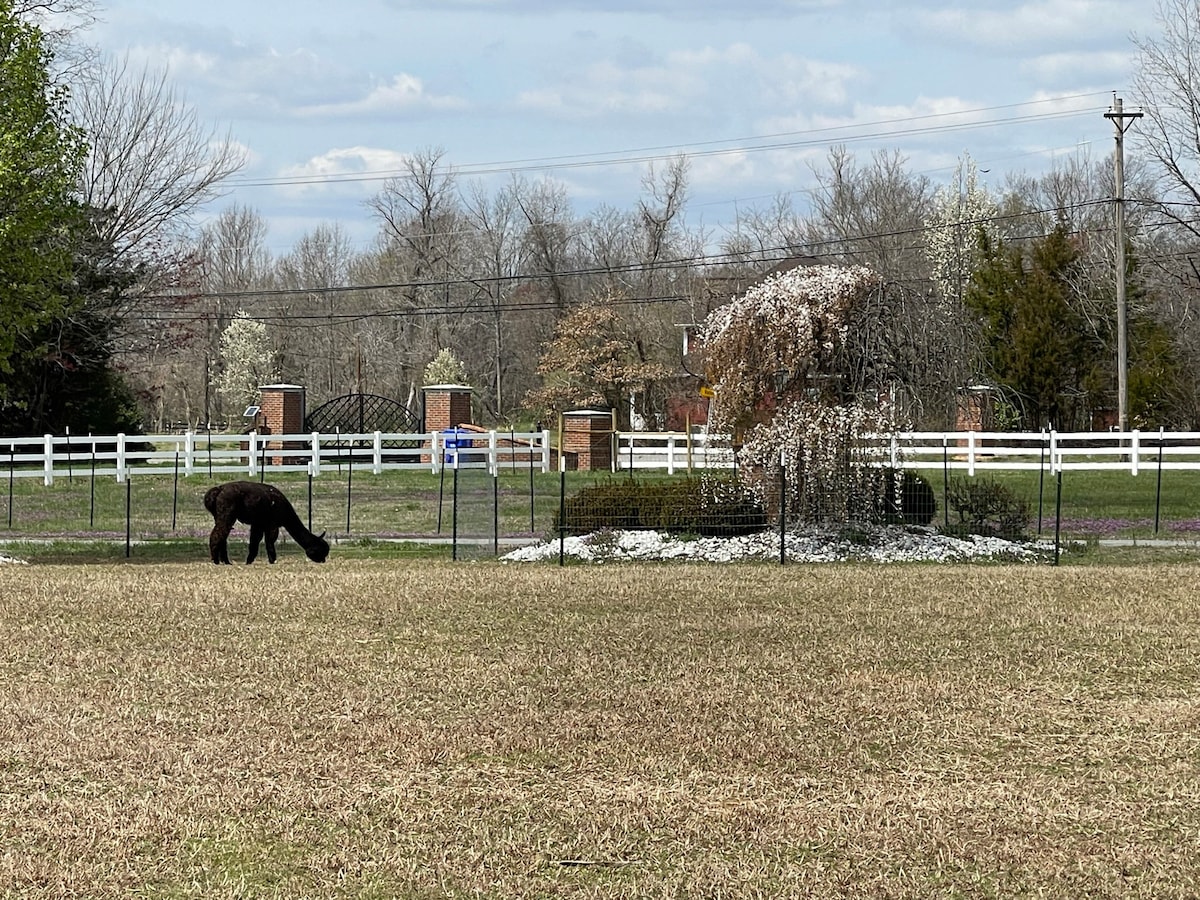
(423, 238)
(761, 236)
(324, 352)
(872, 215)
(151, 163)
(1166, 86)
(549, 238)
(495, 262)
(230, 259)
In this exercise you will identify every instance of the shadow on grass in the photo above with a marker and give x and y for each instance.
(87, 552)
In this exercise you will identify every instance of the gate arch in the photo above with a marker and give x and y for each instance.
(363, 414)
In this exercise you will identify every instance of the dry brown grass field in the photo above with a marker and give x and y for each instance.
(422, 729)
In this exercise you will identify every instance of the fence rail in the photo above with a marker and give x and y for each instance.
(1055, 451)
(122, 456)
(673, 451)
(972, 451)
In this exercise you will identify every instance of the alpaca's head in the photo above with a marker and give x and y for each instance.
(318, 550)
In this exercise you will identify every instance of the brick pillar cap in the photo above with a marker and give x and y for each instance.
(589, 412)
(281, 387)
(448, 387)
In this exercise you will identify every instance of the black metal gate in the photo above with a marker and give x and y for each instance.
(364, 414)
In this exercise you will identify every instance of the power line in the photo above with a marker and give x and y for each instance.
(830, 248)
(806, 138)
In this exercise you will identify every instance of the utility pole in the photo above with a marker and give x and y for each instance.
(1118, 116)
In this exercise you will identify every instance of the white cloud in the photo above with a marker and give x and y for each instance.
(356, 170)
(1021, 27)
(403, 93)
(1113, 67)
(693, 80)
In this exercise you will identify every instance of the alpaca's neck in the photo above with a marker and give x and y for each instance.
(292, 524)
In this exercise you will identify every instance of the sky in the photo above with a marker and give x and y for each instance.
(328, 100)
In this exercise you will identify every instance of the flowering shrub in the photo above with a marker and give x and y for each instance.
(828, 476)
(792, 326)
(786, 338)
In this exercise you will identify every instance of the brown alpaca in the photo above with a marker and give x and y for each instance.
(264, 508)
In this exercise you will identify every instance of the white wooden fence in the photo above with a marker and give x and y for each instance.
(969, 451)
(122, 456)
(673, 451)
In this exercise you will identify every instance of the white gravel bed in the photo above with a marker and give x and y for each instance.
(882, 544)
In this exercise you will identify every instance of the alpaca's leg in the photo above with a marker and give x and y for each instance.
(218, 542)
(272, 537)
(256, 536)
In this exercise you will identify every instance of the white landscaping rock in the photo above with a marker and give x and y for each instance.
(881, 544)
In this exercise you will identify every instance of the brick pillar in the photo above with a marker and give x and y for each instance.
(588, 434)
(976, 410)
(281, 408)
(446, 406)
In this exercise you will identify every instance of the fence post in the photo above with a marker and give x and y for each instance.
(189, 452)
(493, 453)
(252, 452)
(1134, 447)
(562, 509)
(946, 479)
(1041, 479)
(314, 464)
(122, 474)
(671, 454)
(12, 457)
(545, 450)
(1158, 483)
(454, 504)
(48, 459)
(92, 488)
(377, 458)
(782, 507)
(971, 453)
(1057, 513)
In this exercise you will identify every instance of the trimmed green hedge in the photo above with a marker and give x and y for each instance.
(708, 505)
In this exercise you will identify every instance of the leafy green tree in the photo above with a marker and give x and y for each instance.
(40, 216)
(63, 374)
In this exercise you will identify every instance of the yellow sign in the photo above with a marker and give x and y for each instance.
(706, 391)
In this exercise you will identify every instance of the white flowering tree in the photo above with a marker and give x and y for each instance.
(964, 213)
(445, 368)
(782, 360)
(248, 361)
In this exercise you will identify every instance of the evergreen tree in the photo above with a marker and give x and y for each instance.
(1035, 341)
